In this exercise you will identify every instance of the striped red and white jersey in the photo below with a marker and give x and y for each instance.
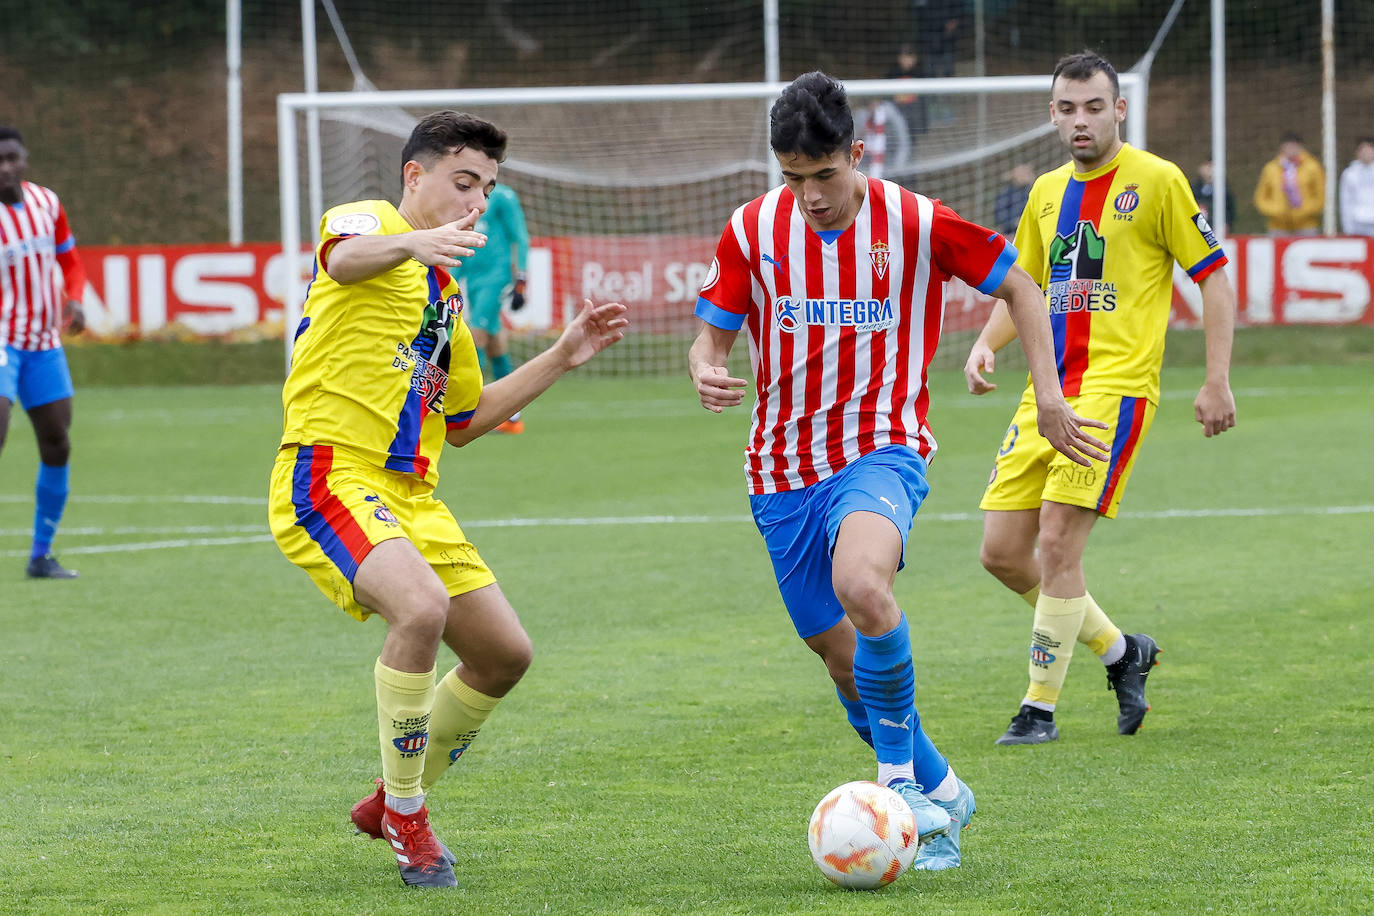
(33, 236)
(842, 325)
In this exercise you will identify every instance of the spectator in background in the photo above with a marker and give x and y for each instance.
(1203, 192)
(1357, 190)
(938, 23)
(910, 105)
(1291, 190)
(1011, 200)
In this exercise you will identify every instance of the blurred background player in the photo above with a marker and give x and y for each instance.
(840, 280)
(1100, 236)
(383, 373)
(37, 243)
(493, 278)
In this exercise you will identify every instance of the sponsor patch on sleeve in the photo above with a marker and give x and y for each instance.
(354, 224)
(1205, 228)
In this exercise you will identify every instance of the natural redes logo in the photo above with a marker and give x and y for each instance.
(860, 314)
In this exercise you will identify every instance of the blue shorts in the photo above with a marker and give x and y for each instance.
(34, 377)
(799, 527)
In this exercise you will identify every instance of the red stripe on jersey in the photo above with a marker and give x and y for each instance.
(331, 509)
(779, 460)
(911, 240)
(845, 368)
(1078, 325)
(757, 323)
(877, 345)
(814, 370)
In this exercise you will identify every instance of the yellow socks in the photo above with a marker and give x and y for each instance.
(1057, 622)
(403, 703)
(458, 713)
(1098, 632)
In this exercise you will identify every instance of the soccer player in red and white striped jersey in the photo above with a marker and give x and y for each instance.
(839, 279)
(41, 285)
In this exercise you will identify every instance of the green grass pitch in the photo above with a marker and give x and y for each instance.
(183, 729)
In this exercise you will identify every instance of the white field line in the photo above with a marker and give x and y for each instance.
(1261, 511)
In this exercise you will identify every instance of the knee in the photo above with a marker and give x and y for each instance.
(866, 598)
(1056, 547)
(1000, 559)
(423, 612)
(506, 663)
(54, 449)
(517, 657)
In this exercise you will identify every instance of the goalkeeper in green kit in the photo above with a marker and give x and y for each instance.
(494, 277)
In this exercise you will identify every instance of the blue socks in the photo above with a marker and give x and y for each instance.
(858, 716)
(887, 685)
(500, 366)
(50, 494)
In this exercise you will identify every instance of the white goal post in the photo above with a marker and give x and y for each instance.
(1007, 114)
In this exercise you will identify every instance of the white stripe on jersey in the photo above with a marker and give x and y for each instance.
(839, 423)
(30, 309)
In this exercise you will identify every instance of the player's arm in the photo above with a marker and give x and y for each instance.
(999, 331)
(594, 329)
(1055, 419)
(1215, 406)
(706, 360)
(355, 258)
(73, 274)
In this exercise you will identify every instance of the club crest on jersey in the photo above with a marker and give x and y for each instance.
(860, 314)
(880, 254)
(1127, 200)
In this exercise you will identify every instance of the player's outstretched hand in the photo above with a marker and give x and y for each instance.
(980, 359)
(1215, 408)
(718, 389)
(75, 317)
(1058, 423)
(594, 329)
(446, 245)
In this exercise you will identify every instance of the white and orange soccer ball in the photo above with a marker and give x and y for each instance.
(863, 835)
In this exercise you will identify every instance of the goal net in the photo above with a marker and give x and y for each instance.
(626, 189)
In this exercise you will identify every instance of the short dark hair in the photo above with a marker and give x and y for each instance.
(446, 132)
(1080, 68)
(811, 117)
(1291, 136)
(11, 133)
(1361, 141)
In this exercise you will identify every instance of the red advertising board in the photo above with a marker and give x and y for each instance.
(216, 290)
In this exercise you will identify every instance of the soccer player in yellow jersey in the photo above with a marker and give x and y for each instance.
(384, 372)
(1100, 235)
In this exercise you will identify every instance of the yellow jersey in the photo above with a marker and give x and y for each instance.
(383, 367)
(1102, 246)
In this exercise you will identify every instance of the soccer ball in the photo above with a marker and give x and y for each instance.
(863, 835)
